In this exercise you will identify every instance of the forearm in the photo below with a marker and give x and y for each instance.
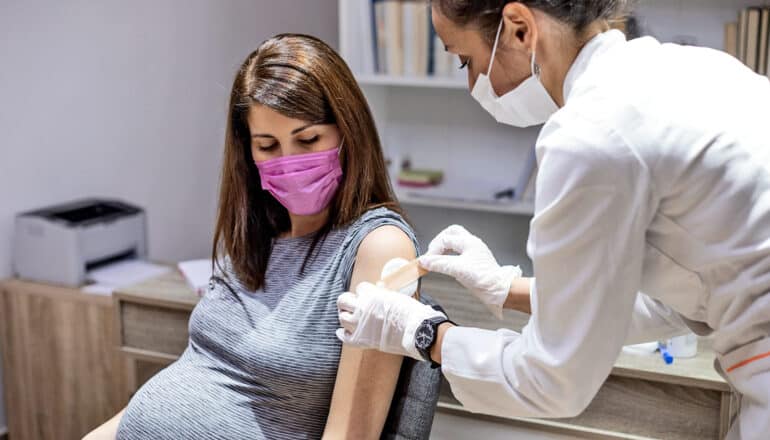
(518, 299)
(108, 430)
(519, 295)
(366, 382)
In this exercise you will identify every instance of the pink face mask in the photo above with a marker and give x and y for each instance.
(303, 183)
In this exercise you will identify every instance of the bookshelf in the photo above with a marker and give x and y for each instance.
(434, 122)
(697, 22)
(412, 81)
(523, 207)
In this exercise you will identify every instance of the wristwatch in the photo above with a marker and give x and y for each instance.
(425, 336)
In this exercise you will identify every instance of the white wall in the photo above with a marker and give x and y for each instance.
(127, 99)
(698, 22)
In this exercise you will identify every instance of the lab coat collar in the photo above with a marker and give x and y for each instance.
(595, 48)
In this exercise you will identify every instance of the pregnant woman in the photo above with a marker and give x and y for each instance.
(305, 211)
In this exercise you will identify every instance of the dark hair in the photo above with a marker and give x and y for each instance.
(485, 14)
(302, 78)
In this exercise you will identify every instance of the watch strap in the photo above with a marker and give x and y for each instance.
(435, 322)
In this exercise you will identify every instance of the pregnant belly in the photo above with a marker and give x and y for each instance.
(193, 401)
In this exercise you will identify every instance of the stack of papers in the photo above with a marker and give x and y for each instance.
(107, 278)
(197, 273)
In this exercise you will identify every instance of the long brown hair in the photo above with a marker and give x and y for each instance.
(300, 77)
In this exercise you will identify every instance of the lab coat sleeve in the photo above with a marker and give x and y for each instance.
(653, 321)
(586, 243)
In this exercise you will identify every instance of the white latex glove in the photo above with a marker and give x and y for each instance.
(474, 267)
(374, 317)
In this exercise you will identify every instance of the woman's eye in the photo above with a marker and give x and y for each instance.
(267, 147)
(464, 63)
(309, 141)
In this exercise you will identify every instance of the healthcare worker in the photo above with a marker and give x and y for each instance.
(652, 214)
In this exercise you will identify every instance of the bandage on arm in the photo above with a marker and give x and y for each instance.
(401, 275)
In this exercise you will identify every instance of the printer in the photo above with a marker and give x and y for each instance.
(59, 244)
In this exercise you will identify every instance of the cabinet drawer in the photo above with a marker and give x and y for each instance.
(636, 407)
(153, 330)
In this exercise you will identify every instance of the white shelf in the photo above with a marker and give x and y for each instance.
(413, 81)
(512, 208)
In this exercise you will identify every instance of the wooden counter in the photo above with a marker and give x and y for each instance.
(642, 398)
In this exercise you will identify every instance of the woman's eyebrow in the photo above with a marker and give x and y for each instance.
(297, 130)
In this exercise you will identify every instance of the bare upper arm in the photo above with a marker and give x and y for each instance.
(376, 249)
(366, 379)
(108, 430)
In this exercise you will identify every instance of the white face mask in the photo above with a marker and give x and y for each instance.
(527, 105)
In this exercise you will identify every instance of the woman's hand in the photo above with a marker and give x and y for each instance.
(472, 265)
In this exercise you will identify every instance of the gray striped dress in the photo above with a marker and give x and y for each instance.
(259, 365)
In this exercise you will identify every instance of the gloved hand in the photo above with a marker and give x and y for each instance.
(375, 317)
(474, 267)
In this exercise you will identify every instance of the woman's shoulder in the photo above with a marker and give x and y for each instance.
(375, 217)
(376, 237)
(377, 230)
(381, 214)
(386, 242)
(384, 223)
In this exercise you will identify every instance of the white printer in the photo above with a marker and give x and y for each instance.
(59, 244)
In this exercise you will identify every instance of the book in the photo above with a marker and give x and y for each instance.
(752, 38)
(742, 21)
(767, 56)
(356, 36)
(415, 37)
(764, 35)
(369, 45)
(403, 41)
(422, 34)
(378, 7)
(394, 46)
(420, 178)
(408, 23)
(731, 38)
(441, 61)
(431, 44)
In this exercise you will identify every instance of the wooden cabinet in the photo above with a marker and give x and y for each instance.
(642, 398)
(62, 373)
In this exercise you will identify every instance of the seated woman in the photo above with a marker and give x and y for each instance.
(306, 211)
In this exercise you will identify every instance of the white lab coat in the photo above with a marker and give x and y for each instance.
(652, 214)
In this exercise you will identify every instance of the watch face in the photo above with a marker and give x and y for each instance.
(424, 336)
